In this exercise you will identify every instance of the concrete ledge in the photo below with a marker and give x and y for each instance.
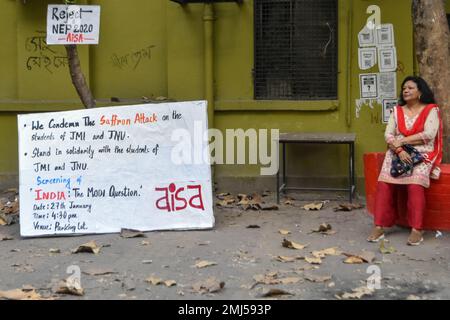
(9, 180)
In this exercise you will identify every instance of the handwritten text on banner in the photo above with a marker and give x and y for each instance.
(103, 169)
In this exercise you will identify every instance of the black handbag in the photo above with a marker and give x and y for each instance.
(399, 167)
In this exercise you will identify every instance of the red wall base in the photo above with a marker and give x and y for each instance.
(437, 215)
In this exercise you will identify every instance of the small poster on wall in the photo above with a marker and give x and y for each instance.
(368, 85)
(388, 108)
(73, 24)
(366, 37)
(387, 58)
(367, 58)
(387, 84)
(385, 35)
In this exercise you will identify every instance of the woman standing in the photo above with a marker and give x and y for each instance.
(415, 121)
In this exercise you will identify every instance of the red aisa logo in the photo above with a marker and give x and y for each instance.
(175, 200)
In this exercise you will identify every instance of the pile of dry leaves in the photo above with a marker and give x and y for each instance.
(244, 201)
(9, 207)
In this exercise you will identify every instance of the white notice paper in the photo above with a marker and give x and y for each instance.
(387, 84)
(368, 85)
(366, 37)
(104, 169)
(387, 59)
(388, 107)
(385, 35)
(367, 58)
(73, 24)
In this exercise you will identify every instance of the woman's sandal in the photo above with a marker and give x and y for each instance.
(415, 238)
(376, 235)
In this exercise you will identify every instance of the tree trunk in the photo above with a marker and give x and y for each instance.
(77, 76)
(431, 36)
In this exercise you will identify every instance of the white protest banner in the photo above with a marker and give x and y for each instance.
(104, 169)
(73, 24)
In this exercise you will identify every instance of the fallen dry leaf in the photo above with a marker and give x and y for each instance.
(10, 207)
(256, 198)
(293, 245)
(354, 260)
(413, 297)
(90, 247)
(324, 228)
(5, 237)
(225, 203)
(130, 233)
(288, 258)
(170, 283)
(98, 271)
(317, 278)
(70, 286)
(20, 294)
(6, 220)
(313, 206)
(222, 195)
(154, 280)
(211, 285)
(306, 267)
(358, 293)
(313, 260)
(53, 250)
(269, 278)
(289, 280)
(326, 252)
(157, 281)
(367, 256)
(348, 207)
(363, 256)
(243, 199)
(284, 232)
(254, 202)
(275, 292)
(204, 264)
(145, 243)
(386, 250)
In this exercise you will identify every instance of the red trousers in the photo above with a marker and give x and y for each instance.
(386, 206)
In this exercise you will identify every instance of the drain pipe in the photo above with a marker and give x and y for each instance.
(348, 113)
(208, 39)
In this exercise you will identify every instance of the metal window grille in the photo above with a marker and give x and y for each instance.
(295, 49)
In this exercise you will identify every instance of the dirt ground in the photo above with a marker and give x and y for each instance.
(248, 255)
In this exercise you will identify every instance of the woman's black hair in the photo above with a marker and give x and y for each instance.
(427, 95)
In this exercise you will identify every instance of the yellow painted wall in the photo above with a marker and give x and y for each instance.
(156, 48)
